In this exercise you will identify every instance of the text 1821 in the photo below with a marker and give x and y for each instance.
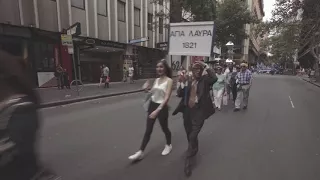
(189, 45)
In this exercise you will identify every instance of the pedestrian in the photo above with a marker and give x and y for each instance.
(106, 77)
(65, 79)
(101, 76)
(19, 123)
(233, 82)
(196, 106)
(244, 81)
(158, 108)
(125, 74)
(219, 88)
(58, 75)
(131, 73)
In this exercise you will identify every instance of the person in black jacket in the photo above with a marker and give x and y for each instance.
(19, 123)
(196, 106)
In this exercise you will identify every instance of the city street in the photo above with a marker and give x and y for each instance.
(276, 138)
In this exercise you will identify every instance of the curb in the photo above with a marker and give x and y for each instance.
(311, 82)
(65, 102)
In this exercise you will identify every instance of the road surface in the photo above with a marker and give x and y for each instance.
(277, 138)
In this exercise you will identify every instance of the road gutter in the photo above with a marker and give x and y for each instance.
(87, 98)
(318, 85)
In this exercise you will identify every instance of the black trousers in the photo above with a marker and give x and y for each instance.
(193, 123)
(234, 92)
(163, 120)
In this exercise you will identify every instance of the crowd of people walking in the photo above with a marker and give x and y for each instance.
(202, 90)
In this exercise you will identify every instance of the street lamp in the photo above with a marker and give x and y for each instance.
(230, 46)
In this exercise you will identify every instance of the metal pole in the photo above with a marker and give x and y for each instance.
(75, 73)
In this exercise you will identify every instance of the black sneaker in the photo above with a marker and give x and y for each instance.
(236, 110)
(46, 175)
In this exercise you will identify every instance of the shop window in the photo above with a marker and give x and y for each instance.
(102, 7)
(121, 11)
(137, 16)
(78, 4)
(150, 22)
(160, 25)
(44, 57)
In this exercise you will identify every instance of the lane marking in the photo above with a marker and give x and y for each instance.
(291, 102)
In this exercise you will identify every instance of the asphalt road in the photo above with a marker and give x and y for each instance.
(277, 138)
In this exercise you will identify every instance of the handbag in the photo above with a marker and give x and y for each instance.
(225, 100)
(147, 101)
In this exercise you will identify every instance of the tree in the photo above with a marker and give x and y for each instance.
(295, 26)
(230, 16)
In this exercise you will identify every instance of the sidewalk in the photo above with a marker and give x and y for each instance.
(309, 80)
(54, 97)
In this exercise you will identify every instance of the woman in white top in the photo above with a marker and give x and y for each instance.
(158, 108)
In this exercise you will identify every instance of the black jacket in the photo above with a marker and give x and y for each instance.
(204, 103)
(18, 133)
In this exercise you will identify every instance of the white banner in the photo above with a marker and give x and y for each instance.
(191, 38)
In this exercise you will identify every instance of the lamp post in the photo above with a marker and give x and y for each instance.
(230, 46)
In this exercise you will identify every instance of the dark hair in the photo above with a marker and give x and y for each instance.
(15, 75)
(167, 68)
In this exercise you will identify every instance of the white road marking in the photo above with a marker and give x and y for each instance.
(291, 102)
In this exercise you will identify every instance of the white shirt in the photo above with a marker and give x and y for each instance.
(226, 71)
(106, 71)
(131, 70)
(159, 91)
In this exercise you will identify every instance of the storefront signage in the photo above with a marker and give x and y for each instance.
(66, 40)
(111, 44)
(90, 41)
(134, 41)
(191, 39)
(162, 45)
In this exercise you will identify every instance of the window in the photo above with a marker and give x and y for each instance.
(160, 25)
(161, 2)
(102, 7)
(44, 56)
(136, 16)
(121, 11)
(150, 22)
(78, 4)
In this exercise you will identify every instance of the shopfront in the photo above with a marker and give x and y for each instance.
(39, 49)
(93, 54)
(45, 51)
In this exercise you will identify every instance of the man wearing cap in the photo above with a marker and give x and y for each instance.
(244, 81)
(196, 106)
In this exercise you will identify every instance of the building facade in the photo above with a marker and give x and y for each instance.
(32, 28)
(251, 46)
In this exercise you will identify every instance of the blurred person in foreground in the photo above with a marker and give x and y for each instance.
(196, 106)
(19, 123)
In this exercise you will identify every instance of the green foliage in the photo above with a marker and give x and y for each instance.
(230, 16)
(284, 30)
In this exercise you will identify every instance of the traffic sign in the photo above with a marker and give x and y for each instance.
(75, 29)
(66, 40)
